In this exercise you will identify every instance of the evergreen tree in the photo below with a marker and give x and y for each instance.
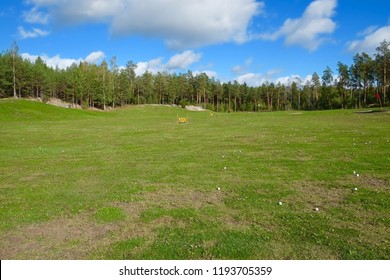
(315, 86)
(327, 80)
(382, 58)
(343, 82)
(14, 54)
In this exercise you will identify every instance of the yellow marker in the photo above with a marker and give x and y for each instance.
(182, 119)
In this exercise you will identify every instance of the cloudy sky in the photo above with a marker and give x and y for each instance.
(245, 40)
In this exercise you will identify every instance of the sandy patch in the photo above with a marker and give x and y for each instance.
(194, 108)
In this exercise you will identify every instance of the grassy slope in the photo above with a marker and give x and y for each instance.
(132, 184)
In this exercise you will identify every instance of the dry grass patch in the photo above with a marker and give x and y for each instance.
(310, 195)
(79, 236)
(182, 197)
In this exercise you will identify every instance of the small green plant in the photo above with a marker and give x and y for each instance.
(183, 103)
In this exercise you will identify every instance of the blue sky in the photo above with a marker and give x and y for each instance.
(245, 40)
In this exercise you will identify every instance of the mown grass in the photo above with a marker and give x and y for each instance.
(132, 184)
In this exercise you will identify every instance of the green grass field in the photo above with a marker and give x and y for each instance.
(132, 184)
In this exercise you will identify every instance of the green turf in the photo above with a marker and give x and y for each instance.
(132, 184)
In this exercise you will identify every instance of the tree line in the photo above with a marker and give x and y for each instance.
(362, 84)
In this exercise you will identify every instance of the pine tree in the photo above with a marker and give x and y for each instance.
(14, 55)
(383, 62)
(343, 82)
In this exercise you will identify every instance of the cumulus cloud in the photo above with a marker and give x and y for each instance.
(178, 61)
(95, 57)
(35, 16)
(239, 69)
(62, 63)
(53, 62)
(65, 12)
(251, 79)
(307, 80)
(372, 37)
(257, 79)
(310, 30)
(288, 80)
(209, 73)
(34, 33)
(181, 24)
(368, 30)
(183, 60)
(153, 66)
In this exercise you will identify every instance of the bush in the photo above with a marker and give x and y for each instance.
(183, 103)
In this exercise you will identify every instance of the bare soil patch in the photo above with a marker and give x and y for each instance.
(195, 108)
(370, 182)
(317, 195)
(178, 198)
(63, 104)
(76, 237)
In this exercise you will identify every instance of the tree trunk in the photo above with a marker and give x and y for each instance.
(138, 93)
(14, 84)
(269, 102)
(229, 102)
(299, 100)
(384, 79)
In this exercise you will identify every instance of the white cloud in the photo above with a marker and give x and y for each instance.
(95, 57)
(183, 60)
(308, 31)
(288, 80)
(178, 61)
(67, 12)
(35, 16)
(251, 79)
(63, 63)
(53, 62)
(372, 38)
(153, 66)
(209, 73)
(257, 79)
(239, 69)
(190, 23)
(368, 30)
(307, 80)
(34, 33)
(181, 24)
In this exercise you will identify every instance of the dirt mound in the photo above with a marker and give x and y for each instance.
(63, 104)
(194, 108)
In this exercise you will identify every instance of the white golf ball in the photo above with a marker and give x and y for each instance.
(357, 175)
(224, 168)
(280, 203)
(219, 188)
(355, 189)
(316, 209)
